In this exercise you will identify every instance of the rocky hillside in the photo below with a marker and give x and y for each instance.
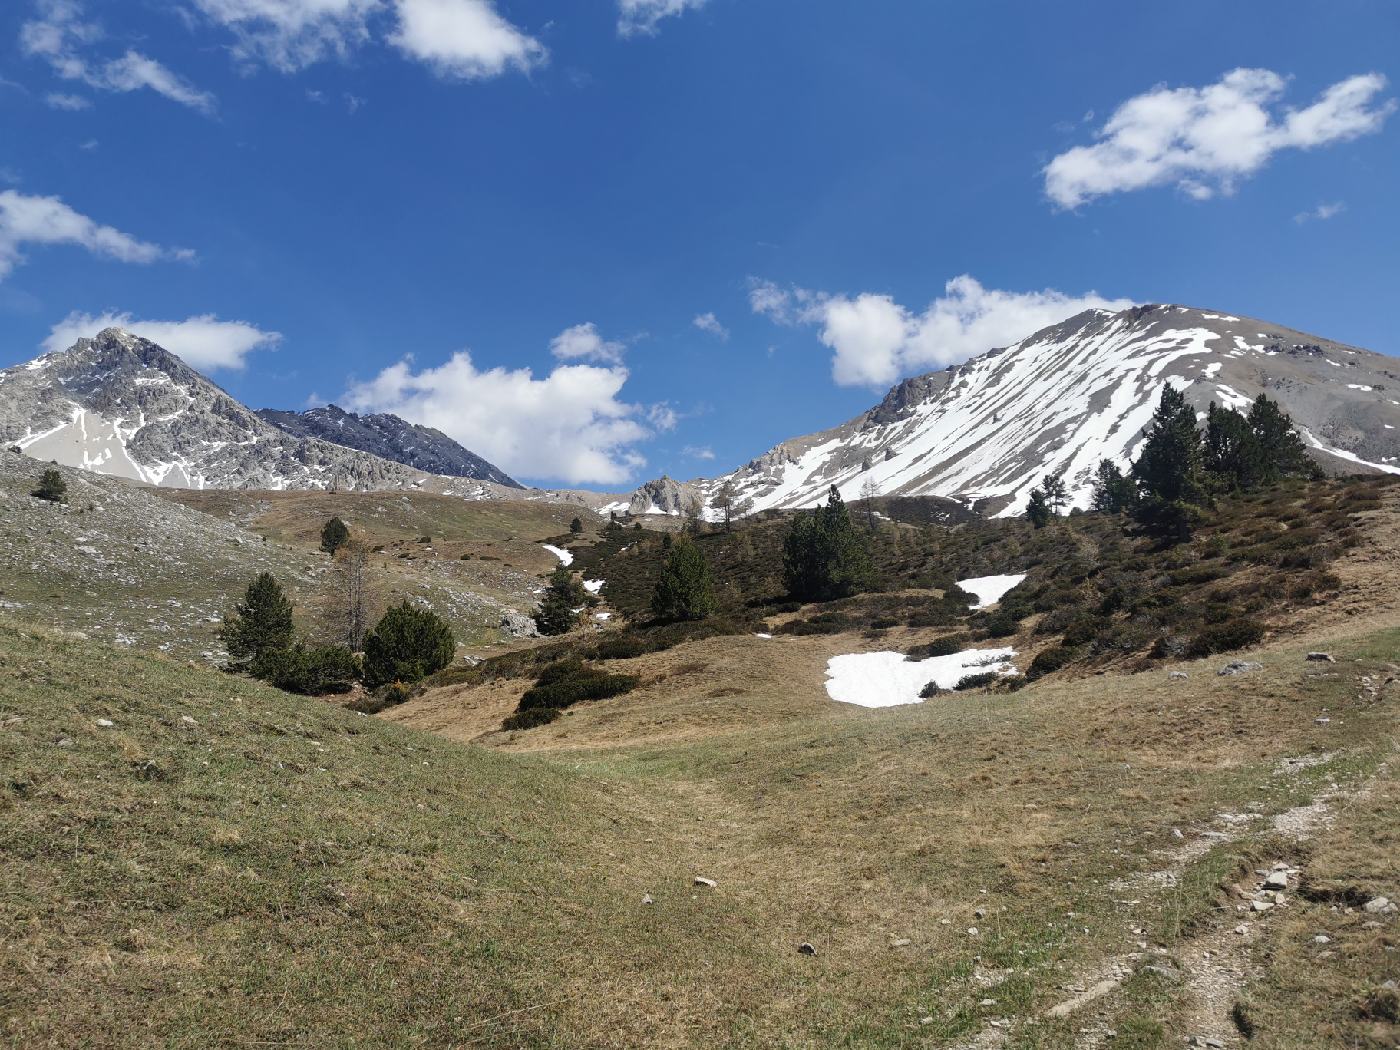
(119, 404)
(388, 437)
(988, 430)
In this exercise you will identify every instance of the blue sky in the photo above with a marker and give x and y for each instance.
(329, 199)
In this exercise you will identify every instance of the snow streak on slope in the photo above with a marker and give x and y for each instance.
(1064, 399)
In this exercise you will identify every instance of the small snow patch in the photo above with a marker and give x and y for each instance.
(889, 680)
(593, 586)
(565, 557)
(988, 590)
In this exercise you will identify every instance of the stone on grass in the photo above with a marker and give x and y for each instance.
(1240, 667)
(1276, 880)
(806, 948)
(1327, 658)
(700, 880)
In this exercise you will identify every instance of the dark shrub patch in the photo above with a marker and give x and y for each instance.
(569, 682)
(1226, 637)
(931, 690)
(537, 716)
(1047, 661)
(953, 643)
(977, 681)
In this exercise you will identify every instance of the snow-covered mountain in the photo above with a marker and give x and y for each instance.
(985, 432)
(389, 437)
(119, 404)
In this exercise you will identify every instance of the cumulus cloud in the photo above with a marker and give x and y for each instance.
(642, 17)
(1204, 140)
(708, 322)
(662, 416)
(202, 342)
(698, 452)
(465, 39)
(61, 36)
(570, 425)
(875, 341)
(1321, 213)
(47, 220)
(583, 342)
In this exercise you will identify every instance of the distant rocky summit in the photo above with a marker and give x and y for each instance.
(389, 437)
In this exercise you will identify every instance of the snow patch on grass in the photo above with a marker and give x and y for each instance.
(889, 680)
(988, 590)
(565, 557)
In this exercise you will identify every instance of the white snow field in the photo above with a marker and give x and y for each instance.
(889, 680)
(565, 557)
(593, 586)
(989, 589)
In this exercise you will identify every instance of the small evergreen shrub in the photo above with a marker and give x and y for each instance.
(317, 671)
(571, 681)
(51, 487)
(931, 690)
(536, 716)
(946, 646)
(407, 645)
(1048, 661)
(1226, 637)
(977, 681)
(334, 535)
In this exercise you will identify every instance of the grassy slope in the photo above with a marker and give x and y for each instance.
(289, 872)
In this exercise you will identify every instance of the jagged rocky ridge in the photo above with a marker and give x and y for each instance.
(986, 431)
(121, 405)
(388, 437)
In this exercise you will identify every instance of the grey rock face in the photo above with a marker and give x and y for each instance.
(121, 405)
(388, 437)
(985, 432)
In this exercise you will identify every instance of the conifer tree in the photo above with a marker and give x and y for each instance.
(1232, 455)
(1282, 452)
(334, 535)
(1053, 488)
(260, 627)
(1038, 508)
(684, 590)
(408, 643)
(563, 599)
(576, 526)
(52, 487)
(824, 555)
(1169, 472)
(1114, 492)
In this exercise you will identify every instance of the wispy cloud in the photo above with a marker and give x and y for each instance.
(583, 342)
(71, 103)
(698, 452)
(27, 220)
(63, 37)
(643, 17)
(708, 322)
(1321, 213)
(1205, 140)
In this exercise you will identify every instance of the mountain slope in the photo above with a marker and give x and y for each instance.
(119, 404)
(388, 437)
(988, 430)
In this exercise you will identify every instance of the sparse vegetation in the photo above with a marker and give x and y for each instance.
(52, 487)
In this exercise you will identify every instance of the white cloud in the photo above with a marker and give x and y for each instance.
(698, 452)
(202, 342)
(1321, 213)
(582, 342)
(874, 340)
(708, 322)
(569, 425)
(47, 220)
(292, 34)
(636, 17)
(662, 416)
(1204, 140)
(71, 103)
(466, 39)
(61, 36)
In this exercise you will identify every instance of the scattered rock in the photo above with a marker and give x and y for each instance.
(1322, 658)
(1321, 721)
(1260, 905)
(1178, 674)
(700, 880)
(1379, 906)
(900, 942)
(972, 931)
(105, 723)
(518, 625)
(1176, 834)
(1276, 880)
(806, 948)
(646, 899)
(1322, 938)
(64, 741)
(1240, 667)
(980, 913)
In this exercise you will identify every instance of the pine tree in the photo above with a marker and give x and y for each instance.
(1038, 508)
(723, 501)
(825, 556)
(334, 535)
(576, 526)
(1053, 488)
(1114, 492)
(408, 643)
(1232, 455)
(52, 487)
(563, 599)
(260, 627)
(684, 591)
(1282, 452)
(1169, 472)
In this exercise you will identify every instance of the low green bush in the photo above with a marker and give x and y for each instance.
(536, 716)
(1048, 661)
(977, 681)
(1226, 637)
(945, 646)
(569, 682)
